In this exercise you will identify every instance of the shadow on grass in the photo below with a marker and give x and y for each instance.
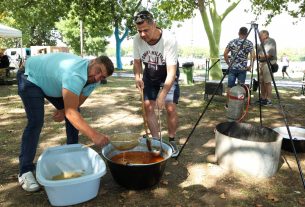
(194, 180)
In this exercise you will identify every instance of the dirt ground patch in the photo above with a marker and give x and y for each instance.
(195, 179)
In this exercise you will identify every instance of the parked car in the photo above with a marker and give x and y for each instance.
(16, 54)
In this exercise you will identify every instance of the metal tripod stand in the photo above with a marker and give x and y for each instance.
(256, 31)
(254, 26)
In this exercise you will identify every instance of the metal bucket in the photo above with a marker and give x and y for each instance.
(137, 176)
(254, 150)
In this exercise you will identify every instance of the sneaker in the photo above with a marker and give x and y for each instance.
(259, 101)
(268, 102)
(174, 148)
(226, 107)
(28, 182)
(263, 102)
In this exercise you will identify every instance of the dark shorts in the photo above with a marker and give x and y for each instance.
(284, 68)
(151, 92)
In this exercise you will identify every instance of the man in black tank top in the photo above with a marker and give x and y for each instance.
(157, 51)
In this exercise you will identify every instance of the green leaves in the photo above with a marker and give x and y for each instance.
(36, 19)
(295, 8)
(176, 9)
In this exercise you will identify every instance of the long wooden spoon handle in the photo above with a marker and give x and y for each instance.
(144, 114)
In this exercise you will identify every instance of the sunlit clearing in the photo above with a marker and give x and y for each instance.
(185, 99)
(160, 192)
(52, 141)
(196, 177)
(121, 120)
(9, 122)
(298, 97)
(190, 103)
(12, 186)
(16, 111)
(199, 172)
(14, 160)
(8, 115)
(210, 143)
(92, 101)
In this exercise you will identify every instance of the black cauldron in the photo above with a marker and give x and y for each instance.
(137, 176)
(298, 137)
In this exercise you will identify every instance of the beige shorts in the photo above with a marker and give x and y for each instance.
(264, 75)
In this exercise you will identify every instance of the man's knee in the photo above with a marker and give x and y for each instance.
(35, 124)
(171, 108)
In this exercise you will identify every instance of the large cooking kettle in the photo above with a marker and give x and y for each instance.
(137, 176)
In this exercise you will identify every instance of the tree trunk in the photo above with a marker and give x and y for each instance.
(119, 41)
(209, 15)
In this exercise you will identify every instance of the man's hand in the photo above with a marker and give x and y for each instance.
(101, 140)
(139, 83)
(59, 115)
(137, 69)
(160, 102)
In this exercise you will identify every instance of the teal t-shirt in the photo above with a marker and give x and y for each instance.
(55, 71)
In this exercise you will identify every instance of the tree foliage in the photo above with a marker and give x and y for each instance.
(36, 19)
(42, 21)
(123, 12)
(295, 8)
(96, 26)
(211, 19)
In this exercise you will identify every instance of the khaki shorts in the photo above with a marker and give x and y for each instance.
(264, 75)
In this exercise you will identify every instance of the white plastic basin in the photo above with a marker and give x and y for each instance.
(70, 158)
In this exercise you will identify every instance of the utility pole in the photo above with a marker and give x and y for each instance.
(81, 37)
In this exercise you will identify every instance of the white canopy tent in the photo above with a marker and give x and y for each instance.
(9, 32)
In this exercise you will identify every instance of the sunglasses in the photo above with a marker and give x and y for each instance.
(142, 17)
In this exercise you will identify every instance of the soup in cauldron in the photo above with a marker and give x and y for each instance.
(136, 157)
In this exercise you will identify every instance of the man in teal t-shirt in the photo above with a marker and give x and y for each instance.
(65, 80)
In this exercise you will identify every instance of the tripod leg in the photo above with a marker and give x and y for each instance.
(284, 114)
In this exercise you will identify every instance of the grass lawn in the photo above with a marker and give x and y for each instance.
(195, 179)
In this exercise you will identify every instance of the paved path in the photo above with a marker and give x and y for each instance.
(201, 78)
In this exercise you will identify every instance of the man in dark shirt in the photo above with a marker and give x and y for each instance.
(239, 48)
(4, 62)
